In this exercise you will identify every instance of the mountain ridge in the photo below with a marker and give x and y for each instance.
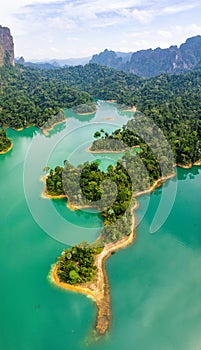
(153, 62)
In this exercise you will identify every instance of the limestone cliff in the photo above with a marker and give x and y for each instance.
(150, 63)
(6, 47)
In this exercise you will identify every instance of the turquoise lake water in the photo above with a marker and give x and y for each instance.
(155, 283)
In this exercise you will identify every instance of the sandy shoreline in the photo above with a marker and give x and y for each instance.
(127, 109)
(189, 166)
(131, 109)
(104, 151)
(88, 150)
(198, 163)
(156, 184)
(46, 131)
(111, 101)
(44, 193)
(25, 127)
(9, 149)
(86, 113)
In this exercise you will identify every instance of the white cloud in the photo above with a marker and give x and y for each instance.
(182, 32)
(76, 27)
(142, 16)
(178, 8)
(166, 34)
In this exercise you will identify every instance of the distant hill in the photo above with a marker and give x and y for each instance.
(71, 61)
(53, 63)
(6, 47)
(59, 62)
(149, 63)
(41, 65)
(112, 59)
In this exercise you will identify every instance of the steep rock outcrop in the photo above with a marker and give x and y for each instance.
(6, 47)
(149, 63)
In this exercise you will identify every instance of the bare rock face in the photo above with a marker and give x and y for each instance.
(150, 63)
(6, 47)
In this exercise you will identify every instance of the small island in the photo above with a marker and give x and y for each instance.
(85, 109)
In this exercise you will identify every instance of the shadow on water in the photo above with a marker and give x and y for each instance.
(27, 132)
(184, 174)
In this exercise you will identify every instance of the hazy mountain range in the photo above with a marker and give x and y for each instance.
(145, 63)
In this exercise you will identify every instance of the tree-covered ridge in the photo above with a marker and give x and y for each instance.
(30, 96)
(76, 264)
(5, 142)
(174, 104)
(33, 96)
(101, 82)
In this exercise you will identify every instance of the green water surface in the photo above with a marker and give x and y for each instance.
(155, 283)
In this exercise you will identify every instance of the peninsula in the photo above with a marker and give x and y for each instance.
(81, 186)
(140, 170)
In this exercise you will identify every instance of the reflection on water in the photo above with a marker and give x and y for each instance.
(190, 173)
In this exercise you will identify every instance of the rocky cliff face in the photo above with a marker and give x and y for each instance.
(6, 47)
(149, 63)
(108, 58)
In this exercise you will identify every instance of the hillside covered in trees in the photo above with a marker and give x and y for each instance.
(173, 103)
(31, 96)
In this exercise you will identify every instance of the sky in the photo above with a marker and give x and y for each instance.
(47, 29)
